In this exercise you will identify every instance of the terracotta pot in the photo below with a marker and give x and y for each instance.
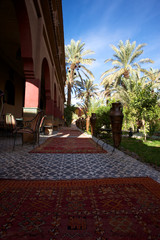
(116, 117)
(87, 123)
(93, 123)
(80, 123)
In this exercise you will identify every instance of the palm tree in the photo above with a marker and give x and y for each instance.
(106, 92)
(76, 62)
(86, 90)
(153, 75)
(124, 62)
(130, 87)
(126, 93)
(83, 106)
(74, 85)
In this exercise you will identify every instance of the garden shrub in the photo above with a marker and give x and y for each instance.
(68, 113)
(102, 118)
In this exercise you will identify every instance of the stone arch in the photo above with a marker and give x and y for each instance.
(31, 84)
(24, 29)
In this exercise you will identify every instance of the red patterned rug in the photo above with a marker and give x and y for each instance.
(102, 209)
(70, 133)
(68, 145)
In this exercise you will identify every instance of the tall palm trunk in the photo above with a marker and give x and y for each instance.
(144, 130)
(126, 73)
(69, 95)
(71, 76)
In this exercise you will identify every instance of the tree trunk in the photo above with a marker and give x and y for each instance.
(144, 130)
(69, 95)
(126, 73)
(71, 76)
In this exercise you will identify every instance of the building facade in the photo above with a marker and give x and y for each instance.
(32, 58)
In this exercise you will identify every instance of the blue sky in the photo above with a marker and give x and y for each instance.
(100, 23)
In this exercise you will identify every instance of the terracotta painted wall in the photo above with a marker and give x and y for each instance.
(40, 51)
(33, 40)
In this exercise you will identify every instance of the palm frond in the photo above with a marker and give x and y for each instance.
(137, 65)
(87, 52)
(80, 76)
(87, 71)
(140, 46)
(109, 71)
(146, 60)
(118, 58)
(115, 49)
(87, 61)
(112, 78)
(109, 60)
(118, 63)
(135, 55)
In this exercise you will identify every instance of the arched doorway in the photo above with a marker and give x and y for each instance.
(31, 94)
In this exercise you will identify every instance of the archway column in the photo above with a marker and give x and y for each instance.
(31, 99)
(49, 103)
(31, 96)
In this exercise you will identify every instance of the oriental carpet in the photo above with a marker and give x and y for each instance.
(70, 144)
(97, 209)
(70, 132)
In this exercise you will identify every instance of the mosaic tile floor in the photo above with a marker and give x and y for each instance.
(20, 164)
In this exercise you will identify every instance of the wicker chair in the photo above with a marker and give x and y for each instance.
(31, 127)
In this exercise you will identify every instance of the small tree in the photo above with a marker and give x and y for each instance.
(145, 103)
(102, 113)
(140, 102)
(87, 90)
(68, 113)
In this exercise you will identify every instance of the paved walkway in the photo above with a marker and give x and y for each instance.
(20, 164)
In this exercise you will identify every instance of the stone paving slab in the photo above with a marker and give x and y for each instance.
(20, 164)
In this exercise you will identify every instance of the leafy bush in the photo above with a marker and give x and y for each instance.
(102, 118)
(68, 113)
(129, 120)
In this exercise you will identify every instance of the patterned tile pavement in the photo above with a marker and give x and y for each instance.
(20, 164)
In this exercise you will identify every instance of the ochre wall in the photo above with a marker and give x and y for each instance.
(30, 28)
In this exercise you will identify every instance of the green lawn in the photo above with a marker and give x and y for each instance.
(149, 151)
